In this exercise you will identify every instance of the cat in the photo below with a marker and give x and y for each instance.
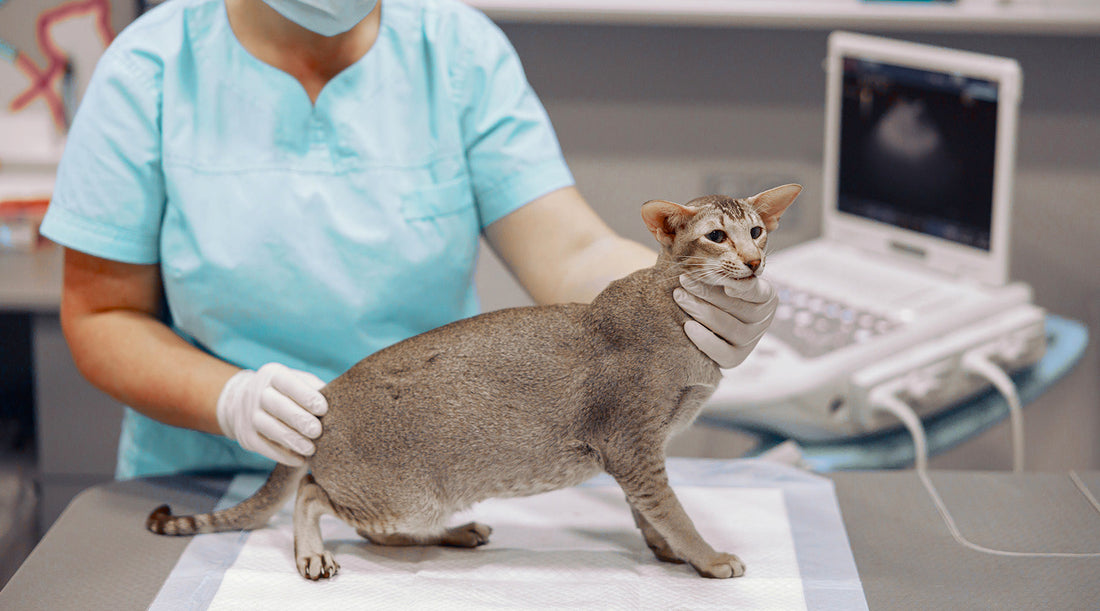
(522, 401)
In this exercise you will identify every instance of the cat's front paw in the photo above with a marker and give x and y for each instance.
(317, 566)
(721, 566)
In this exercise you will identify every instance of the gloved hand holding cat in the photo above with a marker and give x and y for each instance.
(274, 411)
(738, 314)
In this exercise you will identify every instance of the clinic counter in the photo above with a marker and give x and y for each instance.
(99, 556)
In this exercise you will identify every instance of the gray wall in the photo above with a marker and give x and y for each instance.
(664, 112)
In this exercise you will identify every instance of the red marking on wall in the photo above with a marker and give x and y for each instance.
(43, 80)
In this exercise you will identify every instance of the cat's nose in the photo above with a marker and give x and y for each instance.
(755, 263)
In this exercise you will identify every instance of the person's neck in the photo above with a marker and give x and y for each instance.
(311, 58)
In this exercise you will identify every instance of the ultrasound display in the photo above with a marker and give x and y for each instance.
(917, 150)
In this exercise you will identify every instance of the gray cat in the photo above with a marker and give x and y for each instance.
(522, 401)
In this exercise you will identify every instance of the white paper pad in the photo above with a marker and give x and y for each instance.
(573, 548)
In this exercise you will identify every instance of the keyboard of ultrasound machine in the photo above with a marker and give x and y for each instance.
(813, 325)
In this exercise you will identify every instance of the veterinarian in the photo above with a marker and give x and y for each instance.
(256, 194)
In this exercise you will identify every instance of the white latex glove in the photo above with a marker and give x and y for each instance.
(273, 411)
(728, 322)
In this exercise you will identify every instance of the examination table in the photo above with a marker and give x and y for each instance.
(99, 556)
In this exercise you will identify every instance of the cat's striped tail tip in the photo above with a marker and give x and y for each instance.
(162, 522)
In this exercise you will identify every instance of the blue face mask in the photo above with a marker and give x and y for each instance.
(325, 17)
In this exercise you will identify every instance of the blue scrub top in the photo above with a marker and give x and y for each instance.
(307, 234)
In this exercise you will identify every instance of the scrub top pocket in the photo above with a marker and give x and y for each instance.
(440, 230)
(438, 200)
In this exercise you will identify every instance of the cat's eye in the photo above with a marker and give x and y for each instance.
(717, 235)
(755, 232)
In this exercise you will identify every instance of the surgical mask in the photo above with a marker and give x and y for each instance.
(325, 17)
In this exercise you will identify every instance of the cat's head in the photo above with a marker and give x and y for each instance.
(717, 239)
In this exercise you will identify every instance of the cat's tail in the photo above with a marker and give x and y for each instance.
(250, 513)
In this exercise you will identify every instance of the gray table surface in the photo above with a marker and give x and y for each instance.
(98, 555)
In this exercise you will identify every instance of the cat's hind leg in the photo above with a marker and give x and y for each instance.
(472, 534)
(309, 549)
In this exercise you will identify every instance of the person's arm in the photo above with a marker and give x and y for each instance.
(561, 251)
(107, 208)
(109, 314)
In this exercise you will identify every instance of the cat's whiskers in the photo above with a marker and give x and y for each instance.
(689, 265)
(712, 274)
(707, 272)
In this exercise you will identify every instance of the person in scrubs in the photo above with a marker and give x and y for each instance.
(256, 194)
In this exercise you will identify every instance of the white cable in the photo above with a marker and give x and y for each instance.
(886, 399)
(1084, 490)
(979, 364)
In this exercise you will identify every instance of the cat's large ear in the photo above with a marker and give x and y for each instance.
(771, 204)
(664, 219)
